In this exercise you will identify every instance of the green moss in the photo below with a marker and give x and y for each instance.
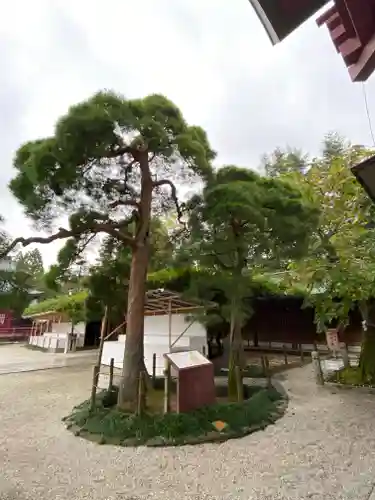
(254, 371)
(348, 376)
(367, 358)
(71, 304)
(112, 424)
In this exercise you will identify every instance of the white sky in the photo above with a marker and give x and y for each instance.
(211, 57)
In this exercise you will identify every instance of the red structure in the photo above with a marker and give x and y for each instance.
(351, 24)
(11, 328)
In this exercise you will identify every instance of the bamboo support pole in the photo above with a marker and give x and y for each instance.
(96, 370)
(111, 369)
(167, 386)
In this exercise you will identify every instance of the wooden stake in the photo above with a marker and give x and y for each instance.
(345, 356)
(111, 368)
(264, 367)
(170, 324)
(95, 379)
(317, 368)
(285, 355)
(99, 360)
(154, 370)
(102, 336)
(167, 386)
(118, 327)
(239, 383)
(268, 372)
(141, 393)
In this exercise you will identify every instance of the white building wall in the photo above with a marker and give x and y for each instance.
(156, 340)
(58, 337)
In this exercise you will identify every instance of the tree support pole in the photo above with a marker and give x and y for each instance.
(96, 370)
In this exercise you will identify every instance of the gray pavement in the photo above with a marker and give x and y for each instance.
(323, 449)
(16, 358)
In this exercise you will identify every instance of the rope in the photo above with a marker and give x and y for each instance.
(368, 113)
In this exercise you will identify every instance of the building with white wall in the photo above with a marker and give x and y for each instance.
(50, 331)
(168, 327)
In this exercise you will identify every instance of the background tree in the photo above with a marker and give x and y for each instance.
(290, 160)
(339, 268)
(30, 270)
(111, 164)
(30, 262)
(244, 223)
(283, 161)
(334, 146)
(20, 279)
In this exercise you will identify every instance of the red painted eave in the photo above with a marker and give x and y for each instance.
(323, 19)
(364, 67)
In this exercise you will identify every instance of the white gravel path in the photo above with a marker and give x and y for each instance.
(324, 448)
(15, 358)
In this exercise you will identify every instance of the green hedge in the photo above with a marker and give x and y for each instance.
(178, 280)
(73, 305)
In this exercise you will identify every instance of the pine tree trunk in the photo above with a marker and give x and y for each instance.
(367, 357)
(134, 356)
(133, 362)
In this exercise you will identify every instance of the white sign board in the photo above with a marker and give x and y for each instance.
(332, 339)
(187, 359)
(103, 382)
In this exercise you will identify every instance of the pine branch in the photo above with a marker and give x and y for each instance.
(124, 203)
(109, 228)
(167, 182)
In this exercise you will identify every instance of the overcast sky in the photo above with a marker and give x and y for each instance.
(211, 57)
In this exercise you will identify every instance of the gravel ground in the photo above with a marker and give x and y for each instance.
(324, 448)
(16, 358)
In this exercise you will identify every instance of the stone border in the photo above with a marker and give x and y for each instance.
(338, 385)
(44, 349)
(159, 441)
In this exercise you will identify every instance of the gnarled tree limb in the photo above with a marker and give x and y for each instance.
(167, 182)
(61, 234)
(124, 203)
(120, 151)
(112, 229)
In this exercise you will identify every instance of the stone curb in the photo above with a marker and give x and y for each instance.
(158, 441)
(345, 387)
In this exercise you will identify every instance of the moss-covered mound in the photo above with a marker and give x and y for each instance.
(62, 303)
(351, 377)
(109, 425)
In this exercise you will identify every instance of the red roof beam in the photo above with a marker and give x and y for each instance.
(334, 21)
(332, 11)
(339, 36)
(346, 19)
(362, 17)
(363, 69)
(351, 51)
